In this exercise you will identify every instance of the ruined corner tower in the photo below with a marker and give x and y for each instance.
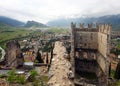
(90, 54)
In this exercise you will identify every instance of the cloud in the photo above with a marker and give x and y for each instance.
(45, 10)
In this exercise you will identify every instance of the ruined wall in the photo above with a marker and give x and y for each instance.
(86, 65)
(102, 46)
(13, 57)
(104, 33)
(90, 55)
(85, 37)
(60, 70)
(86, 40)
(102, 62)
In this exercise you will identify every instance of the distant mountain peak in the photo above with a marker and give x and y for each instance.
(34, 24)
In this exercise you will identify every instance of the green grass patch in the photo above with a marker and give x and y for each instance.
(21, 79)
(112, 73)
(11, 76)
(58, 30)
(16, 34)
(44, 78)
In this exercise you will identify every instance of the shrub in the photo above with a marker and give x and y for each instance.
(38, 82)
(117, 72)
(20, 79)
(11, 76)
(33, 75)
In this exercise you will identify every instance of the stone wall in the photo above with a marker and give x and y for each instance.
(102, 44)
(13, 57)
(104, 34)
(86, 40)
(60, 70)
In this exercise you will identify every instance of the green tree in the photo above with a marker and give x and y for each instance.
(117, 72)
(39, 57)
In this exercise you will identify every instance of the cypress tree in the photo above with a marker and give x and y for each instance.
(117, 72)
(109, 69)
(39, 57)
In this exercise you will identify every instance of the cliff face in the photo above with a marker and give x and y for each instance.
(60, 71)
(13, 57)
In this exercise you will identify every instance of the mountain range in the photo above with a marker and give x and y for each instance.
(17, 23)
(114, 20)
(10, 21)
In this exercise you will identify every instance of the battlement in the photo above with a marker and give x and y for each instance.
(103, 28)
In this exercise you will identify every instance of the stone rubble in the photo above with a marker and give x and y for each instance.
(60, 67)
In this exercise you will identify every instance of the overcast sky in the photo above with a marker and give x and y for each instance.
(46, 10)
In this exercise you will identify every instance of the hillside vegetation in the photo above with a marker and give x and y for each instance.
(58, 30)
(8, 32)
(34, 24)
(10, 21)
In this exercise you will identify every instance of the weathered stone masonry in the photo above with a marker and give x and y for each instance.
(91, 44)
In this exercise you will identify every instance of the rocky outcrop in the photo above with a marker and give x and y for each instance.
(60, 71)
(13, 57)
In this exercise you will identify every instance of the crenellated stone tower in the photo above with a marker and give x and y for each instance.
(90, 53)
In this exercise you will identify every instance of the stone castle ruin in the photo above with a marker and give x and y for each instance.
(90, 54)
